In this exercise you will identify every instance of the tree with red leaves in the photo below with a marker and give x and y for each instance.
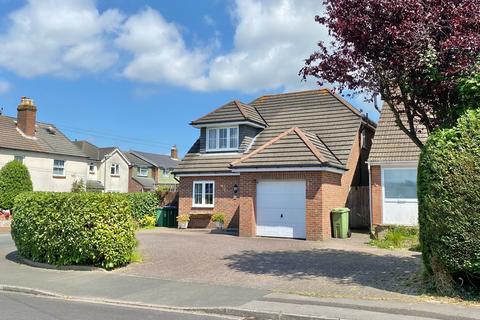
(413, 53)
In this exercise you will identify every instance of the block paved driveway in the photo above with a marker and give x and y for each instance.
(337, 267)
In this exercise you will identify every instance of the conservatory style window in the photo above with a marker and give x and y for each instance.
(222, 139)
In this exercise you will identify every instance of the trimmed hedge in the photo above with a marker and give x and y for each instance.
(14, 179)
(142, 204)
(449, 203)
(74, 228)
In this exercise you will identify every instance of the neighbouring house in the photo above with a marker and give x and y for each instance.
(276, 166)
(113, 170)
(393, 165)
(108, 168)
(153, 170)
(53, 161)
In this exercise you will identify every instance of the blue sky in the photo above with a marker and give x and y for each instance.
(135, 73)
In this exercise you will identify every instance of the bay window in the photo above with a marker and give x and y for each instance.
(203, 193)
(222, 139)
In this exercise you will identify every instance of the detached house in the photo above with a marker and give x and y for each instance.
(276, 166)
(108, 168)
(53, 161)
(393, 165)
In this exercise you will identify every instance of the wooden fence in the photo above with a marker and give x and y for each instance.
(359, 204)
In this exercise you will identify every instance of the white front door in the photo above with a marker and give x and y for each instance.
(400, 205)
(281, 208)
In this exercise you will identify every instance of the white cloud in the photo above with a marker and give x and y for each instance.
(4, 86)
(272, 39)
(58, 37)
(159, 52)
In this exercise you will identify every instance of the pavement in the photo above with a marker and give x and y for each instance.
(126, 290)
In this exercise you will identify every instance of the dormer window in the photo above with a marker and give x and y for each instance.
(222, 139)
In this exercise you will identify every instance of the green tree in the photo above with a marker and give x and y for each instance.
(14, 179)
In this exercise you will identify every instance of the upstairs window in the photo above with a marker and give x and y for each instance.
(222, 139)
(91, 168)
(115, 169)
(142, 172)
(58, 168)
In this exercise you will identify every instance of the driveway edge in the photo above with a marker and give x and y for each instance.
(223, 311)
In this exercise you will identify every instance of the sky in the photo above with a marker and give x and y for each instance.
(134, 74)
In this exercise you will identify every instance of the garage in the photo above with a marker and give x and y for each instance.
(281, 208)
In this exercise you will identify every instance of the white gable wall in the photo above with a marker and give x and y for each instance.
(114, 183)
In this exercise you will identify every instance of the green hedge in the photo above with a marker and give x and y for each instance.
(449, 202)
(14, 179)
(74, 228)
(143, 204)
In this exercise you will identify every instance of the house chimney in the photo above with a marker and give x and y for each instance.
(26, 116)
(174, 152)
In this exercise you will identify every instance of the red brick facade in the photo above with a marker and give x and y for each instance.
(226, 201)
(324, 191)
(376, 194)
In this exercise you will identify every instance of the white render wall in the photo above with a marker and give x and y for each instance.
(114, 183)
(40, 166)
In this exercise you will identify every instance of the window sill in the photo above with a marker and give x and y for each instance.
(59, 177)
(115, 175)
(209, 206)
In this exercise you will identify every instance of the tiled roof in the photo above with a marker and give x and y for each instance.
(304, 149)
(147, 183)
(232, 112)
(329, 122)
(390, 143)
(136, 161)
(88, 148)
(158, 160)
(48, 139)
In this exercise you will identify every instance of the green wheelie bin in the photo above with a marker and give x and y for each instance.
(340, 222)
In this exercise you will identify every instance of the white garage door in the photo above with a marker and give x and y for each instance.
(400, 205)
(281, 208)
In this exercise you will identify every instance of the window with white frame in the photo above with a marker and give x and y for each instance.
(203, 193)
(166, 173)
(142, 172)
(222, 139)
(115, 169)
(400, 183)
(19, 158)
(59, 168)
(91, 168)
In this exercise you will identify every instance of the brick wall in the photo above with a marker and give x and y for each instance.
(376, 194)
(225, 201)
(133, 186)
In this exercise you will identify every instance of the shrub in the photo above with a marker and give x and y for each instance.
(142, 204)
(147, 222)
(78, 186)
(449, 201)
(74, 228)
(218, 217)
(14, 179)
